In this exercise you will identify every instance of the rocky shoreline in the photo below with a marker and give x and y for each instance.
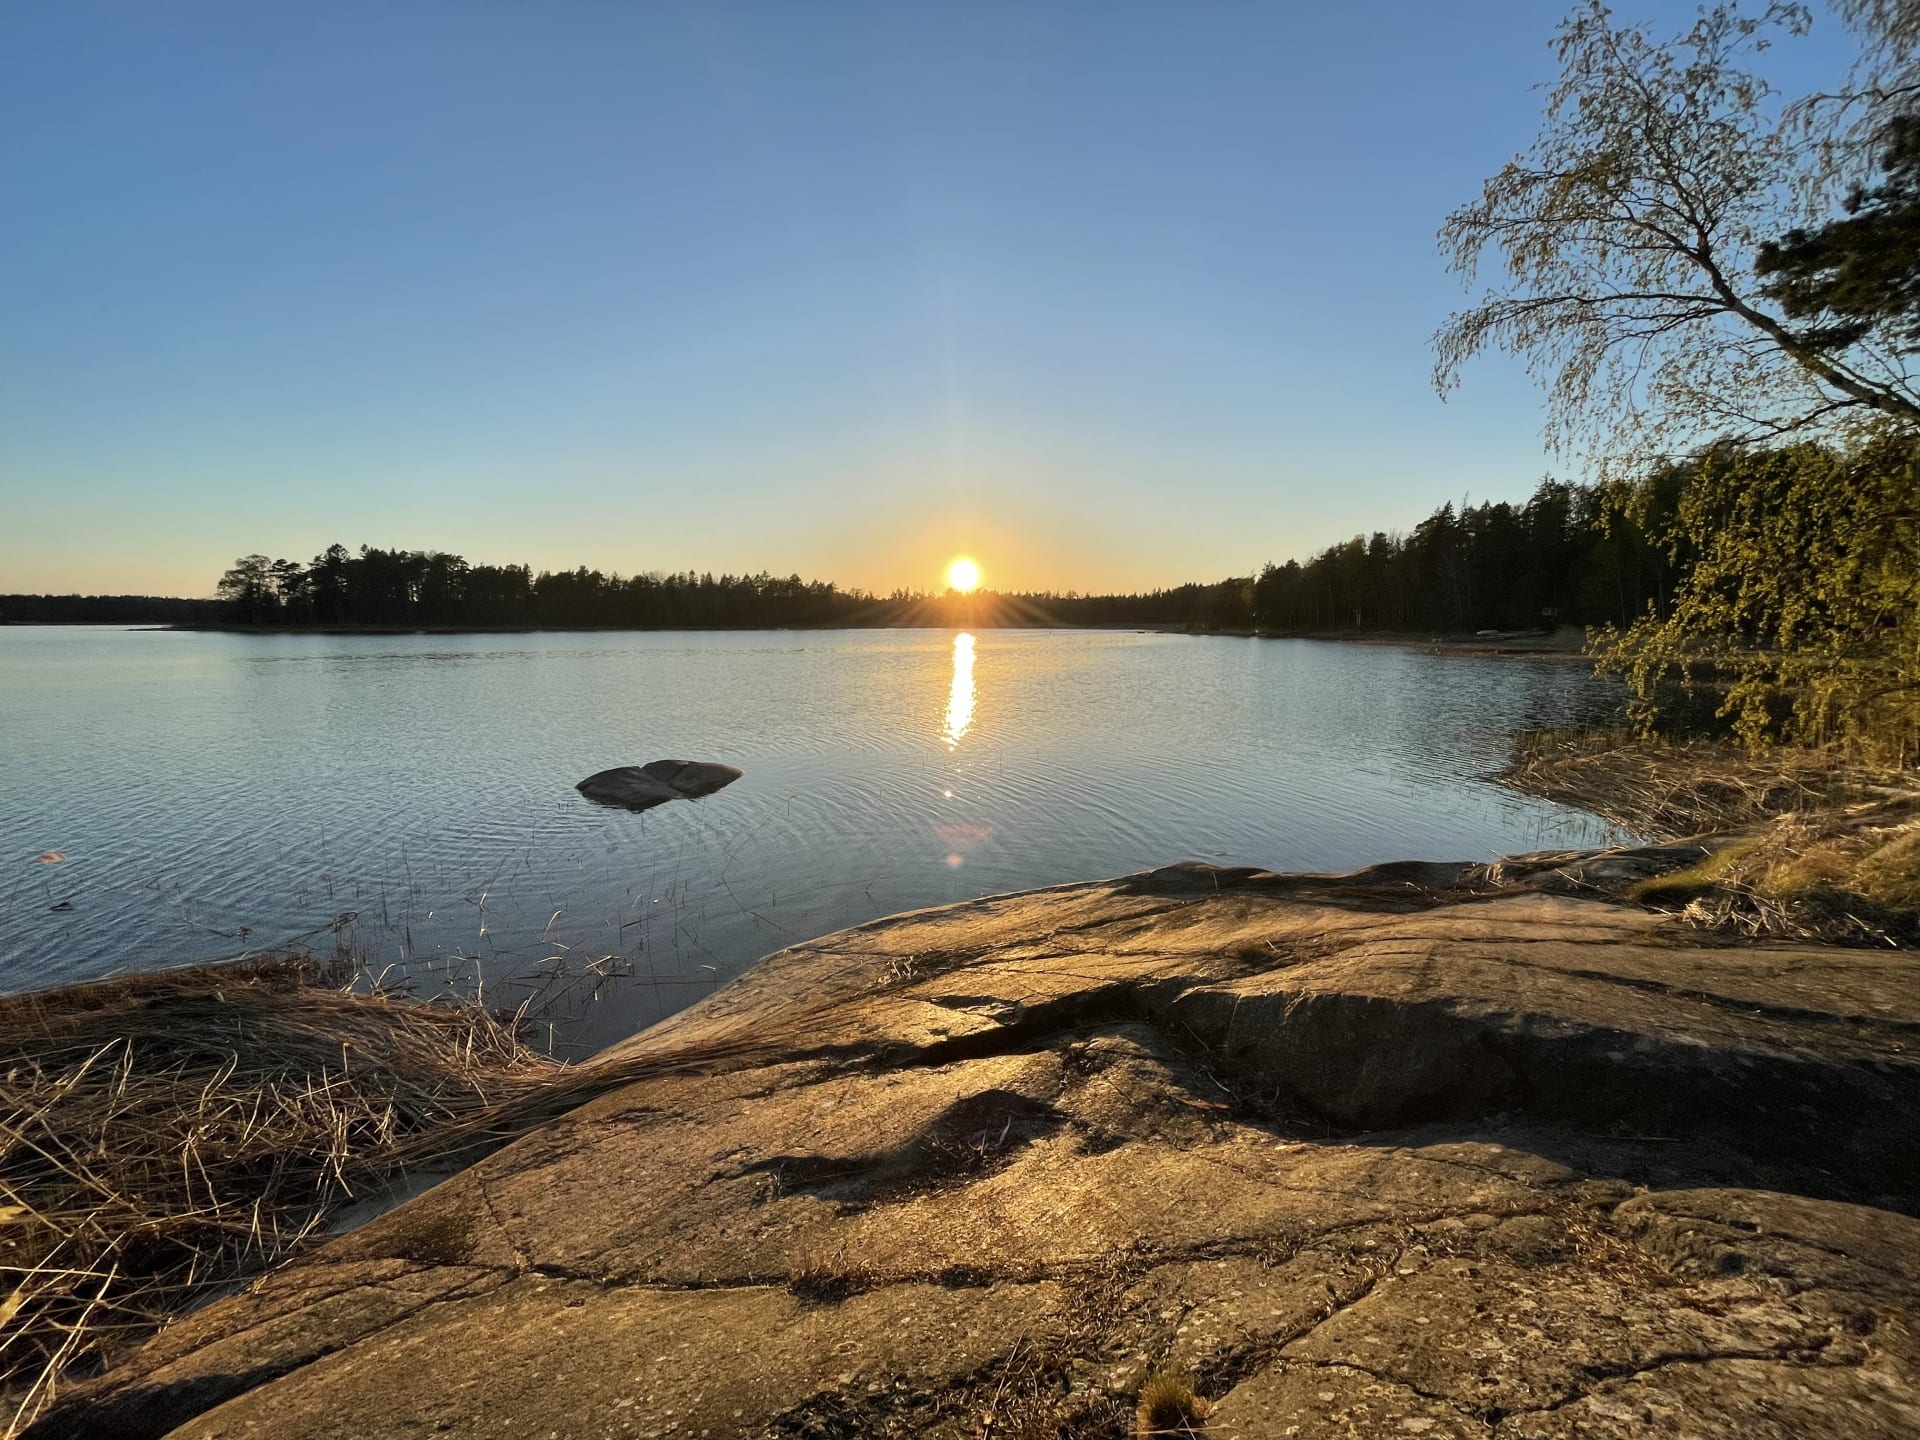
(1440, 1150)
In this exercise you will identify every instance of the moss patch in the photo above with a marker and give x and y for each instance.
(1683, 885)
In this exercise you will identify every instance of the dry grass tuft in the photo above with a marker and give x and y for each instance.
(164, 1135)
(1889, 873)
(1169, 1406)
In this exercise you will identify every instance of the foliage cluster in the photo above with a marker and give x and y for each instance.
(1800, 608)
(1843, 280)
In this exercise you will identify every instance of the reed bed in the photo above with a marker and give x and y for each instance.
(165, 1135)
(1828, 848)
(1672, 788)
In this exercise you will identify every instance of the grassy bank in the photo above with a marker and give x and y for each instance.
(164, 1135)
(1809, 843)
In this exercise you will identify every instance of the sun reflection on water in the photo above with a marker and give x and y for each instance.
(960, 697)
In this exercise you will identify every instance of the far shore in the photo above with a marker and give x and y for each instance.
(1147, 629)
(1568, 642)
(1564, 643)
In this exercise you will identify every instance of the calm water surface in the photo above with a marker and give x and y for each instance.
(412, 796)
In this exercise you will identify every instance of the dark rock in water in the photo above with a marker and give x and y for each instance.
(641, 787)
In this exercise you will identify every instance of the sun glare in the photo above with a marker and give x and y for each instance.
(963, 575)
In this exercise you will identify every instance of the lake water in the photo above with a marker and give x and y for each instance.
(412, 796)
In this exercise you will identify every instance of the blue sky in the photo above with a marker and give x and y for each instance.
(1109, 295)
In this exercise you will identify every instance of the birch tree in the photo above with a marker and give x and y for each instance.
(1620, 247)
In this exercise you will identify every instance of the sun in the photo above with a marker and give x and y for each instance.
(963, 575)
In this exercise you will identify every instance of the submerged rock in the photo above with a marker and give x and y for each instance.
(1431, 1150)
(641, 787)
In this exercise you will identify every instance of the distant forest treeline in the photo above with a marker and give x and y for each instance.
(406, 588)
(1571, 555)
(1567, 556)
(108, 610)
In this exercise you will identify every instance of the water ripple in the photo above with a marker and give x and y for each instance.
(215, 792)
